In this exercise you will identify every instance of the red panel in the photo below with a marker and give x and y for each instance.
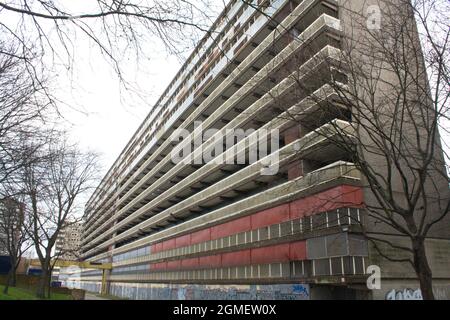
(295, 170)
(352, 195)
(183, 241)
(168, 244)
(201, 236)
(292, 134)
(236, 258)
(270, 216)
(333, 198)
(297, 250)
(157, 247)
(210, 261)
(153, 248)
(189, 263)
(277, 253)
(340, 196)
(232, 227)
(158, 266)
(174, 264)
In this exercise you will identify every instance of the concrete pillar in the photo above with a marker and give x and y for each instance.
(294, 169)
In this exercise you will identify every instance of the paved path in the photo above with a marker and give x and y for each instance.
(91, 296)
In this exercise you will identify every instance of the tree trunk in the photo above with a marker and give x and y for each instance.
(14, 279)
(49, 284)
(9, 280)
(422, 268)
(42, 284)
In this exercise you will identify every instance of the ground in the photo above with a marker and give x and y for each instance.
(25, 294)
(92, 296)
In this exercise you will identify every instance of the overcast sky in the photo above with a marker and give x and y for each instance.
(100, 114)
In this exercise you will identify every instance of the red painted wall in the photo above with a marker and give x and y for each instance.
(190, 263)
(214, 261)
(168, 244)
(183, 240)
(235, 226)
(277, 253)
(340, 196)
(176, 264)
(270, 254)
(270, 216)
(236, 258)
(201, 236)
(297, 250)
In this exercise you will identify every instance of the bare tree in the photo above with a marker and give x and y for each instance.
(53, 185)
(388, 80)
(25, 104)
(115, 28)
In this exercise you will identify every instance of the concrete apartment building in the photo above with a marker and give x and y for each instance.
(230, 230)
(68, 243)
(11, 216)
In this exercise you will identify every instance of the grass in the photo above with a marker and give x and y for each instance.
(15, 293)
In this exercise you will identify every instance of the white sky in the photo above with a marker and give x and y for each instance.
(102, 116)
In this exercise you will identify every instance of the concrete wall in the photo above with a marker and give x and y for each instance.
(401, 289)
(399, 279)
(293, 291)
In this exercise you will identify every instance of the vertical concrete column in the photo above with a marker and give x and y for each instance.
(294, 169)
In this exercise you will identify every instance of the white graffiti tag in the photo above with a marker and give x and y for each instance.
(406, 294)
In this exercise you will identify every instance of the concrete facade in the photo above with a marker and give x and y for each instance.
(68, 243)
(226, 230)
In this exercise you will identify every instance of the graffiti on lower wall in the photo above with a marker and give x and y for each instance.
(405, 294)
(147, 291)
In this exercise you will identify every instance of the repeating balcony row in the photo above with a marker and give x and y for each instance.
(230, 80)
(93, 201)
(313, 141)
(238, 122)
(303, 228)
(218, 60)
(261, 16)
(305, 145)
(344, 195)
(339, 172)
(337, 266)
(137, 173)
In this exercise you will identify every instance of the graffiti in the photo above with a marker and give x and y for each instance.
(405, 294)
(300, 290)
(181, 294)
(148, 291)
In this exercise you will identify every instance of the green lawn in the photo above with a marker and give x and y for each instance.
(24, 294)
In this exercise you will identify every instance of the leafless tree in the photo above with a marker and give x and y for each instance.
(388, 78)
(115, 28)
(25, 104)
(53, 185)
